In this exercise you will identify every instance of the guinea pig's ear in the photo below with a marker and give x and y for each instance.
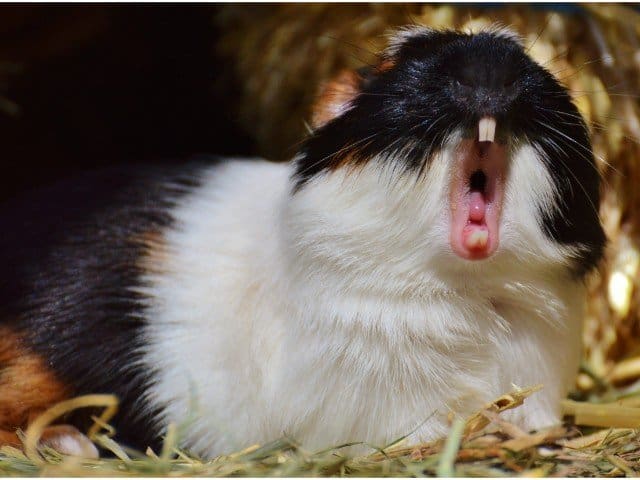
(335, 97)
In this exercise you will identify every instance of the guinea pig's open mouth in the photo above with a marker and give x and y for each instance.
(476, 194)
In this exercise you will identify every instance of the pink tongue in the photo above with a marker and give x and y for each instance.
(477, 207)
(475, 234)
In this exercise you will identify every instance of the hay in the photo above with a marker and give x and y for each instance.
(49, 416)
(281, 53)
(492, 447)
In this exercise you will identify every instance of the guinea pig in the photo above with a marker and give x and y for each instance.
(423, 252)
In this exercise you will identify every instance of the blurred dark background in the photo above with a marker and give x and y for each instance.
(86, 86)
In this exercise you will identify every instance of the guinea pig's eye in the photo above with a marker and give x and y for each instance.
(509, 82)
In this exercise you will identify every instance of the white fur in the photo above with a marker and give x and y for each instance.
(400, 36)
(339, 313)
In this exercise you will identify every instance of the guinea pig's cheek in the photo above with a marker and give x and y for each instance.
(475, 199)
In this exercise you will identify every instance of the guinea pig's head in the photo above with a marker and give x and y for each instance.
(457, 151)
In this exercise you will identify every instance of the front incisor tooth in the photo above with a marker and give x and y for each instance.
(478, 239)
(482, 130)
(487, 129)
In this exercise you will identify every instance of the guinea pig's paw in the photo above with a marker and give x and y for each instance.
(68, 440)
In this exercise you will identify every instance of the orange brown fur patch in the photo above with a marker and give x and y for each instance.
(386, 65)
(10, 438)
(155, 252)
(334, 98)
(27, 385)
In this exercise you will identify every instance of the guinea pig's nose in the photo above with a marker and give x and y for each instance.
(482, 90)
(489, 101)
(482, 99)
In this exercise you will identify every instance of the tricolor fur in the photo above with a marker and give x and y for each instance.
(322, 298)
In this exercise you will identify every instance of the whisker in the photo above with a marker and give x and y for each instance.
(601, 42)
(578, 70)
(355, 46)
(540, 32)
(593, 123)
(430, 150)
(586, 150)
(624, 95)
(414, 128)
(343, 149)
(336, 92)
(561, 54)
(595, 209)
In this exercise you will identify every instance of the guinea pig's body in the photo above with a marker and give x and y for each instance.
(359, 293)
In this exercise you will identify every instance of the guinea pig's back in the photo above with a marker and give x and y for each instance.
(71, 318)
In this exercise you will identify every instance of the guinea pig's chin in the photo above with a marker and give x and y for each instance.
(476, 193)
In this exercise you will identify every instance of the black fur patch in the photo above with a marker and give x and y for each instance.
(445, 81)
(563, 140)
(69, 261)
